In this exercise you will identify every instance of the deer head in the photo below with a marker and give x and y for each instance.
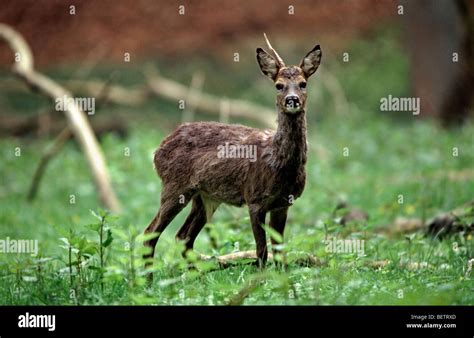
(290, 81)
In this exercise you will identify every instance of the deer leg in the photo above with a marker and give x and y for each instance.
(202, 211)
(171, 205)
(277, 222)
(195, 209)
(208, 208)
(193, 224)
(257, 218)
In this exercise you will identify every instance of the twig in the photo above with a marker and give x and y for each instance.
(47, 155)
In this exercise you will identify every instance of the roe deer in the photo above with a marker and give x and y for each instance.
(190, 167)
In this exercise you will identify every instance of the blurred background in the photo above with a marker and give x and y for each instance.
(434, 40)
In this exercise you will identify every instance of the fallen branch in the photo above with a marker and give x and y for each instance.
(249, 254)
(78, 122)
(171, 90)
(115, 93)
(20, 126)
(207, 103)
(47, 155)
(226, 260)
(61, 139)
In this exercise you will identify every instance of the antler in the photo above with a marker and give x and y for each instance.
(279, 59)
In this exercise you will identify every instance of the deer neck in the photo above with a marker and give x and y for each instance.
(289, 142)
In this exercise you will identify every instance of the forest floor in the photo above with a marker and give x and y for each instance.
(388, 165)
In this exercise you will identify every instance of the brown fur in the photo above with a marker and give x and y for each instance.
(190, 169)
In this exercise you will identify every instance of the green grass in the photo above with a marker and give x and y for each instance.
(388, 156)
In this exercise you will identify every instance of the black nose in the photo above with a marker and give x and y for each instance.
(292, 101)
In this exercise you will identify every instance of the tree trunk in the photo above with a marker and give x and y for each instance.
(439, 36)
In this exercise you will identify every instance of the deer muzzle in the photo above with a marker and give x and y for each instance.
(292, 104)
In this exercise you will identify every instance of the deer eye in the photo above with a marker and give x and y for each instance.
(302, 85)
(279, 86)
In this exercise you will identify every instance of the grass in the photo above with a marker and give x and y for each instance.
(95, 258)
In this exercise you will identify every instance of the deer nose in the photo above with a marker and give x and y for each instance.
(292, 101)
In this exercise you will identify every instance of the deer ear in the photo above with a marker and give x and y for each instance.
(268, 65)
(311, 61)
